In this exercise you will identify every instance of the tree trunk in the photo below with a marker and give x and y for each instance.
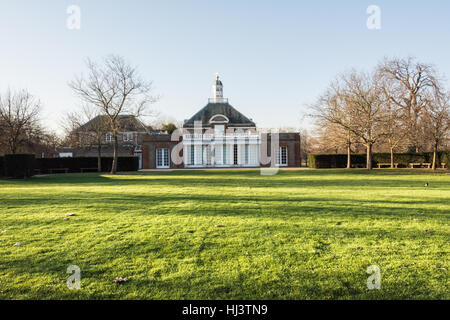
(392, 158)
(349, 159)
(99, 158)
(434, 157)
(12, 147)
(115, 154)
(369, 156)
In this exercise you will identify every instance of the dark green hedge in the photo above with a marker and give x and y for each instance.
(1, 167)
(18, 165)
(130, 163)
(322, 161)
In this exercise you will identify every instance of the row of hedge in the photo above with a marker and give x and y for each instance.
(322, 161)
(130, 163)
(25, 165)
(17, 165)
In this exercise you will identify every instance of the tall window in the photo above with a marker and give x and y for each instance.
(191, 160)
(162, 158)
(235, 154)
(198, 158)
(283, 161)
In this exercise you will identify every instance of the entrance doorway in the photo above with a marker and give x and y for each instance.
(162, 159)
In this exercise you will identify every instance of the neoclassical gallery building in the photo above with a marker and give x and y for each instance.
(219, 136)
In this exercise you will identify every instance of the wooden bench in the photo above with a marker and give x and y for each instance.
(387, 164)
(88, 169)
(425, 164)
(66, 170)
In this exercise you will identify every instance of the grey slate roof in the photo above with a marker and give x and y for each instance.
(128, 123)
(236, 118)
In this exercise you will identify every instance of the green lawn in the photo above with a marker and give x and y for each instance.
(227, 234)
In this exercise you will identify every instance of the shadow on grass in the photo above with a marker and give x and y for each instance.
(197, 206)
(288, 276)
(247, 178)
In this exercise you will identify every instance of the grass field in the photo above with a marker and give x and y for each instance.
(227, 234)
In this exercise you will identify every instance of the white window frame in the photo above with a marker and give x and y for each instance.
(162, 158)
(192, 155)
(280, 157)
(213, 119)
(128, 136)
(109, 137)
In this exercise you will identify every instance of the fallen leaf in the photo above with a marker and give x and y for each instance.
(70, 214)
(220, 226)
(120, 280)
(429, 230)
(17, 244)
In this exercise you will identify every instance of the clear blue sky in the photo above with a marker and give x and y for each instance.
(273, 56)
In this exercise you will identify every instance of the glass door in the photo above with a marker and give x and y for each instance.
(162, 158)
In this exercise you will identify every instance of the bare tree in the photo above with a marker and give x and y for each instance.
(305, 149)
(336, 138)
(334, 121)
(394, 128)
(409, 84)
(436, 122)
(44, 143)
(394, 132)
(87, 128)
(116, 89)
(365, 105)
(354, 103)
(19, 116)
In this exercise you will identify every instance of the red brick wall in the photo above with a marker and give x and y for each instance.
(292, 142)
(151, 144)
